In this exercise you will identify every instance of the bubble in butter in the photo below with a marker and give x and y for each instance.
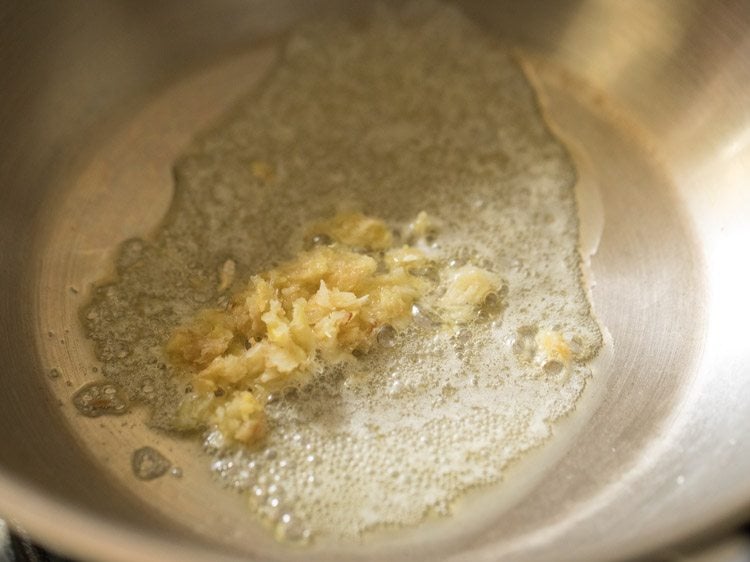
(415, 111)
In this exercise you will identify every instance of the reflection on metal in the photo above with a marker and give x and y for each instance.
(5, 552)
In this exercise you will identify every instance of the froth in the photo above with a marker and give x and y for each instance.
(405, 114)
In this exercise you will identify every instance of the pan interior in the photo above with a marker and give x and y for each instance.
(647, 291)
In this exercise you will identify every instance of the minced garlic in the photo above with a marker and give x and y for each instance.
(467, 287)
(226, 275)
(554, 346)
(327, 303)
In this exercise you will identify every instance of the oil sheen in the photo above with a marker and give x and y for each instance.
(413, 110)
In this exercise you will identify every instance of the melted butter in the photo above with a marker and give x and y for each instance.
(393, 118)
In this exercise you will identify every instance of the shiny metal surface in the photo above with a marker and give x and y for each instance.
(5, 552)
(652, 98)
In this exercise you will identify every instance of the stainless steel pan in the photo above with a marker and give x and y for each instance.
(652, 96)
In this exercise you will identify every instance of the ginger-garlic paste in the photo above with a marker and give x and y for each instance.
(367, 295)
